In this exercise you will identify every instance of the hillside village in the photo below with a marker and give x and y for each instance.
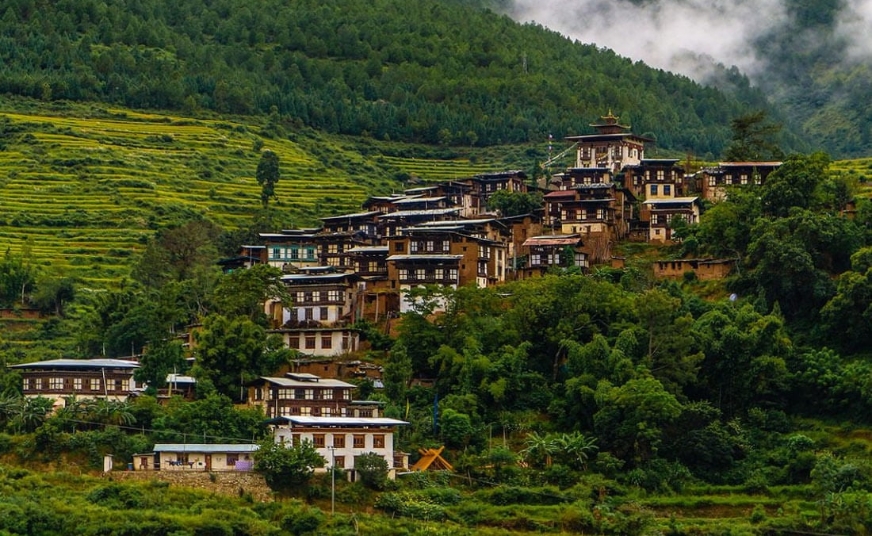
(365, 266)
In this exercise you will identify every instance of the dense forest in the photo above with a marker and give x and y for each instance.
(438, 72)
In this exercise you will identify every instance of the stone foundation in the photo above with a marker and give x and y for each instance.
(227, 483)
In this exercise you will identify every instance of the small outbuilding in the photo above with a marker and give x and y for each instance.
(197, 457)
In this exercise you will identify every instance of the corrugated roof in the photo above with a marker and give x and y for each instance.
(423, 212)
(205, 447)
(342, 421)
(80, 363)
(418, 200)
(318, 277)
(290, 382)
(556, 240)
(356, 215)
(425, 257)
(671, 201)
(368, 249)
(456, 222)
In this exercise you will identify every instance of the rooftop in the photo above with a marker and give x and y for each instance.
(205, 447)
(338, 421)
(291, 382)
(79, 364)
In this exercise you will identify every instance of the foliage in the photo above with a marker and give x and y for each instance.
(373, 470)
(287, 468)
(268, 174)
(508, 203)
(752, 139)
(358, 69)
(234, 351)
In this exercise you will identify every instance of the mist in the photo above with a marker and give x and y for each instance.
(691, 36)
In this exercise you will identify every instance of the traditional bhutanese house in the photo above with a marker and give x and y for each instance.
(712, 183)
(108, 379)
(361, 224)
(704, 269)
(408, 271)
(376, 299)
(318, 323)
(483, 243)
(292, 249)
(550, 251)
(588, 210)
(340, 440)
(659, 213)
(392, 223)
(612, 147)
(343, 233)
(521, 228)
(301, 394)
(382, 204)
(573, 177)
(656, 178)
(485, 185)
(554, 204)
(460, 194)
(197, 457)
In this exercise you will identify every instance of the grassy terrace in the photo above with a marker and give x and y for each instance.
(85, 187)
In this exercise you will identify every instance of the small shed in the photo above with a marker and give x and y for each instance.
(197, 457)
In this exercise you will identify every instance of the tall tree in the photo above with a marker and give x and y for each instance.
(753, 139)
(268, 175)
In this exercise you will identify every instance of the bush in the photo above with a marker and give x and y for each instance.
(373, 470)
(302, 521)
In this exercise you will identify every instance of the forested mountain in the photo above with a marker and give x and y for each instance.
(433, 71)
(811, 57)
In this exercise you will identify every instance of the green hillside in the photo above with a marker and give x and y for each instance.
(435, 71)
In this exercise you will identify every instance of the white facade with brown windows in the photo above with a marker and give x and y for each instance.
(108, 379)
(340, 440)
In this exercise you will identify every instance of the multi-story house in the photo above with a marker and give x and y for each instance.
(292, 248)
(656, 178)
(392, 223)
(108, 379)
(661, 212)
(712, 183)
(449, 254)
(612, 147)
(318, 322)
(552, 251)
(377, 300)
(485, 185)
(306, 407)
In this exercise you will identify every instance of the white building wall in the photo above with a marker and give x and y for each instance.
(285, 435)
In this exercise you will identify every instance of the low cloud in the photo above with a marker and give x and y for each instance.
(687, 36)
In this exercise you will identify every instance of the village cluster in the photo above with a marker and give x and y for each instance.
(362, 266)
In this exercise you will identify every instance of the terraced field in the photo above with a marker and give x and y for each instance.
(861, 168)
(85, 188)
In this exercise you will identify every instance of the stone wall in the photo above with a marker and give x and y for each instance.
(225, 483)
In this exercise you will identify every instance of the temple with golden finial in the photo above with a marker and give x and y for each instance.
(612, 147)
